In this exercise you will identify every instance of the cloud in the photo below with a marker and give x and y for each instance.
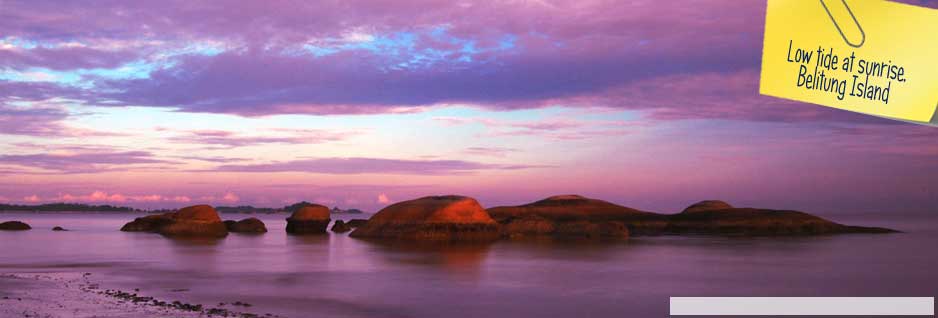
(230, 197)
(383, 199)
(42, 121)
(106, 197)
(81, 162)
(31, 121)
(356, 58)
(550, 128)
(489, 151)
(371, 166)
(285, 136)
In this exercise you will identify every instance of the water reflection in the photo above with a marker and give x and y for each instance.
(195, 252)
(307, 239)
(460, 259)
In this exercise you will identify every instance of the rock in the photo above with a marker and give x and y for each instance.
(249, 225)
(58, 228)
(576, 216)
(719, 218)
(707, 205)
(198, 213)
(354, 223)
(310, 219)
(198, 220)
(434, 218)
(14, 226)
(341, 227)
(149, 223)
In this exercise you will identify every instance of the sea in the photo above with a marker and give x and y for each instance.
(334, 275)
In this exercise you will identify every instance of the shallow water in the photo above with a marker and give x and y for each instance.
(338, 276)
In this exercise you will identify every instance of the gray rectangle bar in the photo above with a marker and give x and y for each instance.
(802, 306)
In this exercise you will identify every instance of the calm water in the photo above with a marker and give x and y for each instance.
(338, 276)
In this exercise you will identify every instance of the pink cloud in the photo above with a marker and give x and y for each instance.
(230, 197)
(105, 197)
(522, 53)
(280, 136)
(550, 128)
(84, 161)
(383, 199)
(371, 166)
(489, 151)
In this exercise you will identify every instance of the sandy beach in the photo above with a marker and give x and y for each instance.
(76, 294)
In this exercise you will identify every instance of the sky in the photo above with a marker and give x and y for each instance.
(648, 104)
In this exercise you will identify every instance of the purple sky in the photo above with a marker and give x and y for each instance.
(650, 104)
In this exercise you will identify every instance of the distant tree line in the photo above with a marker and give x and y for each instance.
(58, 207)
(65, 207)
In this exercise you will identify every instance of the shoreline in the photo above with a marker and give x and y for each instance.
(76, 294)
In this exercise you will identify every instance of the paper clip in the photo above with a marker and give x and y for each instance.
(862, 34)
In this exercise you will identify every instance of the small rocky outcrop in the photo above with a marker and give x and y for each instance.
(341, 227)
(720, 218)
(354, 223)
(249, 225)
(434, 218)
(14, 226)
(58, 228)
(707, 205)
(149, 223)
(197, 221)
(310, 219)
(575, 216)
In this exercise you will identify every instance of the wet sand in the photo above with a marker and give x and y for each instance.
(73, 294)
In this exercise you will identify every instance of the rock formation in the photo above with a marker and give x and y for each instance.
(575, 216)
(341, 227)
(354, 223)
(434, 218)
(720, 218)
(309, 219)
(707, 205)
(249, 225)
(58, 228)
(14, 226)
(571, 215)
(198, 220)
(149, 223)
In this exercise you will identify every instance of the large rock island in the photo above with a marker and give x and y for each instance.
(575, 216)
(718, 217)
(434, 218)
(572, 215)
(193, 221)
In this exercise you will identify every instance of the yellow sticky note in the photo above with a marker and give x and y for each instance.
(874, 57)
